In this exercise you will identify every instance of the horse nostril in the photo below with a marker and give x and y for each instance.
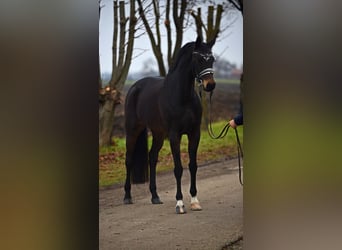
(210, 86)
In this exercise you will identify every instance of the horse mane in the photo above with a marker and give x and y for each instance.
(187, 48)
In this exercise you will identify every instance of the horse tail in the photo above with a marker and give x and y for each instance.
(139, 171)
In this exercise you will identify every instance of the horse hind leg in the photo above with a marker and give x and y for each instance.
(157, 144)
(130, 142)
(136, 161)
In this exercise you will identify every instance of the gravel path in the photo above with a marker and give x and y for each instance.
(146, 226)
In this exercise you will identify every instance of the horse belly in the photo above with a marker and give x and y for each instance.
(147, 105)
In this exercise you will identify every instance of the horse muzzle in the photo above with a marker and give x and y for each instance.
(208, 82)
(206, 79)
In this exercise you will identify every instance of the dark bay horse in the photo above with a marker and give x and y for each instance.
(169, 107)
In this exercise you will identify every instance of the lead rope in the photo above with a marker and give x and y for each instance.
(225, 129)
(240, 154)
(223, 133)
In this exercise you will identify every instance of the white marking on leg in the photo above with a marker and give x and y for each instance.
(194, 200)
(180, 203)
(195, 206)
(180, 209)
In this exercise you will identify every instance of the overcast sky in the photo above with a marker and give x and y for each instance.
(229, 46)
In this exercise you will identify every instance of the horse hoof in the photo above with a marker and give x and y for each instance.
(180, 210)
(128, 201)
(195, 206)
(156, 201)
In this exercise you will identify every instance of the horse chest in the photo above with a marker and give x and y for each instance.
(185, 119)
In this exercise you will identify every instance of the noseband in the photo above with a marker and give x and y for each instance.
(203, 73)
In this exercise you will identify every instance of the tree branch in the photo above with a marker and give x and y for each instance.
(238, 5)
(198, 21)
(115, 41)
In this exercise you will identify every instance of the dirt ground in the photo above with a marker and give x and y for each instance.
(146, 226)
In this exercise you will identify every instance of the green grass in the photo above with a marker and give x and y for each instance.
(227, 81)
(112, 170)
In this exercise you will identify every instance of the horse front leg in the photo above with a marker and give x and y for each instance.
(193, 139)
(178, 171)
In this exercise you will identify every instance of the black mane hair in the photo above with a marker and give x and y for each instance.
(185, 49)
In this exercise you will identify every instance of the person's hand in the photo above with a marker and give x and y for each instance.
(232, 123)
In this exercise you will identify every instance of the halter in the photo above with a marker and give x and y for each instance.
(206, 71)
(202, 73)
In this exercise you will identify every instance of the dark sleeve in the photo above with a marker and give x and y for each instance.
(238, 119)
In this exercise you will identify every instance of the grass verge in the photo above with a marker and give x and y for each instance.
(112, 159)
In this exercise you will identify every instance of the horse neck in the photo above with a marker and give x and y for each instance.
(180, 82)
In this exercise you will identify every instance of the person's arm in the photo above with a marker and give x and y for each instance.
(238, 119)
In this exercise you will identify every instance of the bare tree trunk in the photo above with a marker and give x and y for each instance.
(122, 56)
(107, 119)
(178, 21)
(100, 80)
(155, 41)
(198, 22)
(168, 33)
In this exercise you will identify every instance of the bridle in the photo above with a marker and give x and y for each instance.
(198, 76)
(203, 73)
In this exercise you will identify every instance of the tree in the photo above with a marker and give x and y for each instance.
(212, 28)
(122, 50)
(178, 15)
(151, 14)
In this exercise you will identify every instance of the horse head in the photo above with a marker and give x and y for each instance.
(203, 60)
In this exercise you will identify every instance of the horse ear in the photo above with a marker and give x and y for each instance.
(198, 41)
